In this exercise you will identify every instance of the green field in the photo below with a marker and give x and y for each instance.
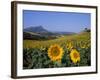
(82, 37)
(36, 51)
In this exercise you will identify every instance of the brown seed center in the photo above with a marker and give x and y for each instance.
(76, 55)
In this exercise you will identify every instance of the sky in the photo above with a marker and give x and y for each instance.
(57, 21)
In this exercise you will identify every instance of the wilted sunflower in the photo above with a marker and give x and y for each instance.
(75, 56)
(55, 52)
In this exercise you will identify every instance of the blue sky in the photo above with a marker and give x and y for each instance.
(57, 21)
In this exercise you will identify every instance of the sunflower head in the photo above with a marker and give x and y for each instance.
(55, 52)
(75, 56)
(69, 45)
(83, 46)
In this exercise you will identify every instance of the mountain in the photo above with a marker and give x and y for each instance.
(41, 30)
(40, 33)
(37, 29)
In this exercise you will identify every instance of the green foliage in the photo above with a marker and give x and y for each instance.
(35, 58)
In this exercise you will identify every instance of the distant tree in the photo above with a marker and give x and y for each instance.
(86, 30)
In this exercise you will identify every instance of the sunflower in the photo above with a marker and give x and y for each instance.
(83, 46)
(75, 56)
(55, 52)
(42, 48)
(69, 45)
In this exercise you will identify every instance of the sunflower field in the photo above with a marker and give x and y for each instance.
(66, 51)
